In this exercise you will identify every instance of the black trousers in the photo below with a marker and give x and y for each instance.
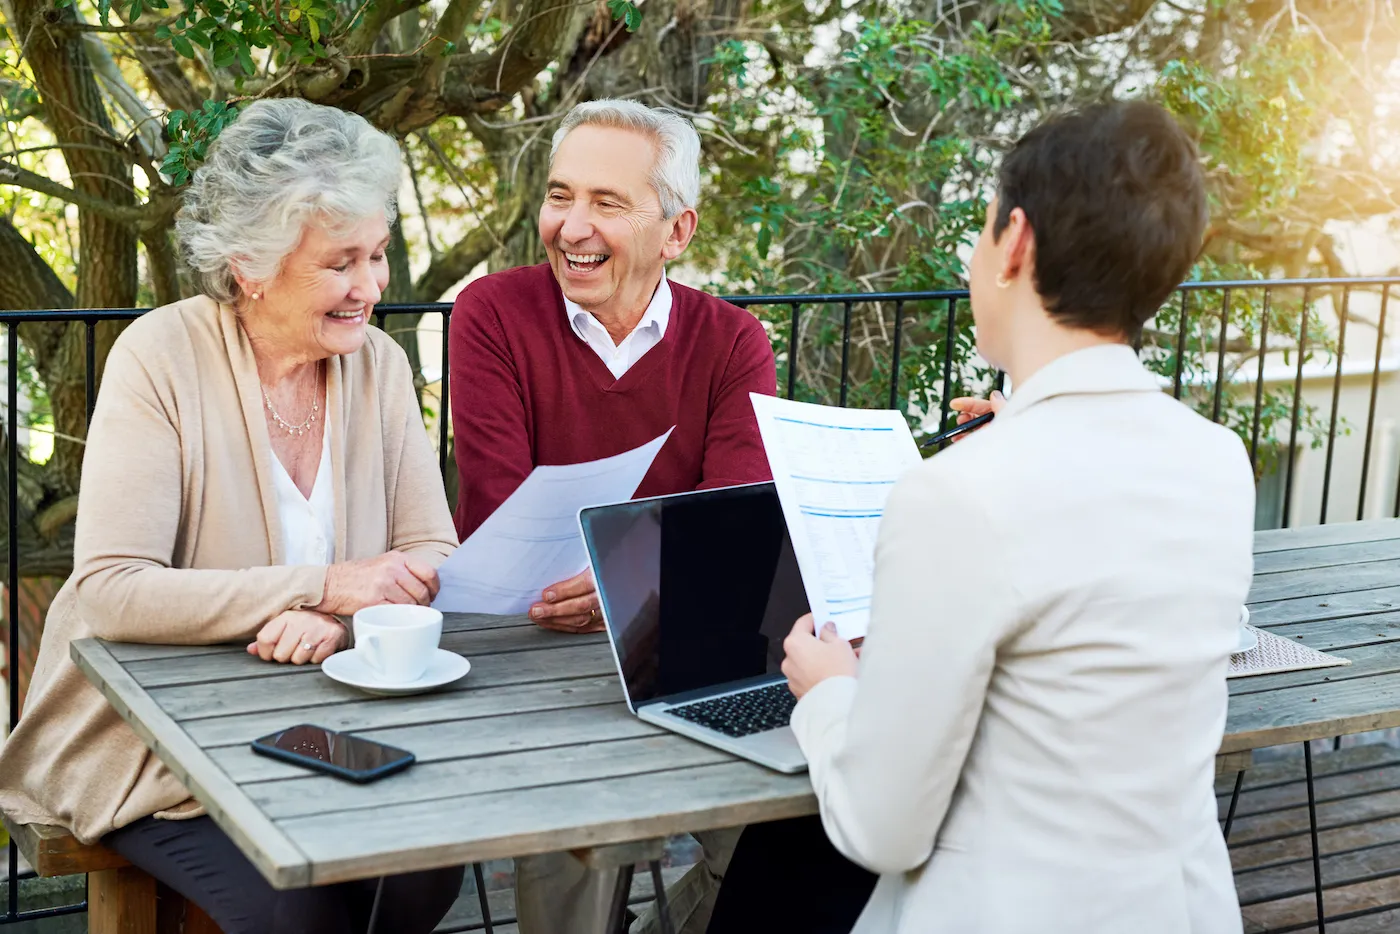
(198, 860)
(786, 876)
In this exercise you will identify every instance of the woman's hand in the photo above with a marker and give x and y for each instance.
(393, 577)
(570, 606)
(299, 636)
(969, 408)
(811, 659)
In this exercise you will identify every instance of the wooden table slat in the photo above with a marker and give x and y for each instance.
(1312, 711)
(303, 688)
(1335, 606)
(1337, 533)
(225, 665)
(266, 845)
(1331, 634)
(459, 779)
(430, 742)
(450, 831)
(437, 708)
(1325, 581)
(1367, 661)
(1326, 556)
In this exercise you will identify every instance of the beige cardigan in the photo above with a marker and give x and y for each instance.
(178, 540)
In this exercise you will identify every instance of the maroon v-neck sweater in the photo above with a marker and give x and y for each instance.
(527, 391)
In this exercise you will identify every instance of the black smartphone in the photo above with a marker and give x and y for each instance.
(352, 758)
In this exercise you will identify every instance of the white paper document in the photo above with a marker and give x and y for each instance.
(532, 540)
(834, 469)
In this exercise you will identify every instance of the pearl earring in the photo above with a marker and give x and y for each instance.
(1002, 282)
(256, 296)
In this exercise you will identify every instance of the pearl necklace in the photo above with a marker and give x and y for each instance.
(296, 431)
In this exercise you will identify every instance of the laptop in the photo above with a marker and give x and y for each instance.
(698, 591)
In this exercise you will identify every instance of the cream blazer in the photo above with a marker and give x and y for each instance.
(178, 540)
(1029, 746)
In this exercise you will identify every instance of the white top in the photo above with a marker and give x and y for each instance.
(308, 525)
(1030, 744)
(646, 335)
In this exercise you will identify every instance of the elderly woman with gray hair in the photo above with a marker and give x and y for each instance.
(256, 468)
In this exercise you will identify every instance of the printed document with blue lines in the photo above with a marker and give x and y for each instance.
(834, 469)
(532, 540)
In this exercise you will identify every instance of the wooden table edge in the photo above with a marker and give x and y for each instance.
(280, 861)
(602, 837)
(1305, 732)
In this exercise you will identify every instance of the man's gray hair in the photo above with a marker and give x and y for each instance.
(282, 164)
(676, 174)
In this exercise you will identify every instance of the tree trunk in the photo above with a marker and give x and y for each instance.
(403, 328)
(28, 281)
(98, 165)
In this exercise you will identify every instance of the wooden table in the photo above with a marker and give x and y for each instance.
(535, 752)
(1335, 588)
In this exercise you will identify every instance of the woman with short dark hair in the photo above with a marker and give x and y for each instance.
(1027, 741)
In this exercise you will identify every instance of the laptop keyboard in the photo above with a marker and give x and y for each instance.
(744, 713)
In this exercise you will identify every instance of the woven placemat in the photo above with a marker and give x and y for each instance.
(1275, 653)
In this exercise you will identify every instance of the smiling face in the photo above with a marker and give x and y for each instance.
(601, 222)
(320, 302)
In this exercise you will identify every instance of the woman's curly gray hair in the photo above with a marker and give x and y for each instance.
(282, 164)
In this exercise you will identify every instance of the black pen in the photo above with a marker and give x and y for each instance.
(957, 430)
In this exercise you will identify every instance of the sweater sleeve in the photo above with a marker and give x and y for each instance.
(489, 426)
(733, 448)
(420, 520)
(126, 588)
(886, 749)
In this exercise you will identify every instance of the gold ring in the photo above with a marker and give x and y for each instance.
(592, 614)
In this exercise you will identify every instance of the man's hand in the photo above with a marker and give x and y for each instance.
(811, 659)
(392, 577)
(570, 606)
(969, 408)
(299, 636)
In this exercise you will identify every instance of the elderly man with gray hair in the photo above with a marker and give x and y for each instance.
(592, 354)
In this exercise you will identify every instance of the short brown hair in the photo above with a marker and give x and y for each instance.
(1116, 198)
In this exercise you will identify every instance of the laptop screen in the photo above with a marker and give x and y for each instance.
(699, 589)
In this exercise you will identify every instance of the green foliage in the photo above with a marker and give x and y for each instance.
(626, 11)
(190, 136)
(871, 171)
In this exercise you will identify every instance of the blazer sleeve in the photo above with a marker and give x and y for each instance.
(886, 749)
(491, 436)
(733, 447)
(420, 519)
(129, 515)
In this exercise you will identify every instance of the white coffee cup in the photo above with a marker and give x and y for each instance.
(397, 641)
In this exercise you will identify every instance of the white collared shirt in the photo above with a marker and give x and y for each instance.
(308, 525)
(619, 358)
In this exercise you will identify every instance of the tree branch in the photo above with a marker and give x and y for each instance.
(377, 15)
(469, 252)
(80, 27)
(448, 30)
(11, 174)
(145, 125)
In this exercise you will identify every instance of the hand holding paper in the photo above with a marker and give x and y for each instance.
(532, 539)
(834, 469)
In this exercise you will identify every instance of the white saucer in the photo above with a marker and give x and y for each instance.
(350, 668)
(1248, 640)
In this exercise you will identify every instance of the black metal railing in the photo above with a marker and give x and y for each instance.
(1198, 361)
